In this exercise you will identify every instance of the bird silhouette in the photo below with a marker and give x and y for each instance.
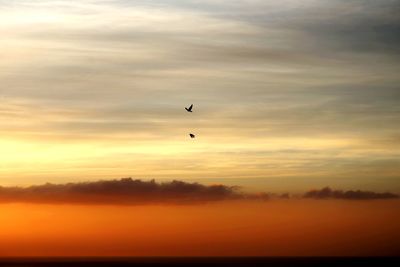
(192, 136)
(189, 109)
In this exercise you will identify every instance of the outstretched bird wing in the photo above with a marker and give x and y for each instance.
(189, 109)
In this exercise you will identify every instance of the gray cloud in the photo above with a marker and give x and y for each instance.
(326, 193)
(123, 191)
(128, 191)
(259, 71)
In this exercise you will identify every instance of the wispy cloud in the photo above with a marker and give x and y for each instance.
(110, 78)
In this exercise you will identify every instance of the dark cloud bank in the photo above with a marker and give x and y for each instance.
(123, 191)
(328, 193)
(129, 191)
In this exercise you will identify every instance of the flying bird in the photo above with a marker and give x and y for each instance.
(192, 136)
(189, 109)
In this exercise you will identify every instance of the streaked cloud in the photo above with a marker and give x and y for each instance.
(281, 89)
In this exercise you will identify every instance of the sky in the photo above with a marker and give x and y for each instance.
(296, 116)
(288, 95)
(274, 228)
(129, 217)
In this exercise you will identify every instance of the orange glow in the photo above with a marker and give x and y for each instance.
(272, 228)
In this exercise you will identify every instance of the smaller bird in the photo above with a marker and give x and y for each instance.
(189, 109)
(192, 135)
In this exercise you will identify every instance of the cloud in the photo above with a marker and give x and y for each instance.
(128, 191)
(88, 87)
(326, 193)
(123, 191)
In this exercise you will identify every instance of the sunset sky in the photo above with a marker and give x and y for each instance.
(304, 92)
(288, 96)
(235, 229)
